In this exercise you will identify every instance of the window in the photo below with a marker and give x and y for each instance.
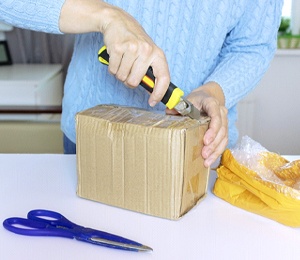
(287, 8)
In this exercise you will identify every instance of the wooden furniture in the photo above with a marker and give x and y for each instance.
(30, 108)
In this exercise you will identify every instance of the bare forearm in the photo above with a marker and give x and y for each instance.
(83, 16)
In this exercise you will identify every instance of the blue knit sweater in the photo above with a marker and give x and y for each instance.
(230, 42)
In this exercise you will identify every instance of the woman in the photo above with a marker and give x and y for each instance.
(216, 51)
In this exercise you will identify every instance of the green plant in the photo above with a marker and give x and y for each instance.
(284, 27)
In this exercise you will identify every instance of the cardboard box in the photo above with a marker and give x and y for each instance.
(140, 160)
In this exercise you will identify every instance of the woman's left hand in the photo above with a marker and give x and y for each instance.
(210, 99)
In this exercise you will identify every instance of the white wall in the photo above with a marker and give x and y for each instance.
(295, 17)
(271, 113)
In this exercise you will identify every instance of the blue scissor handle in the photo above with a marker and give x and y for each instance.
(28, 227)
(36, 225)
(51, 218)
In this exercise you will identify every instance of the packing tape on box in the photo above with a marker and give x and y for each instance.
(262, 182)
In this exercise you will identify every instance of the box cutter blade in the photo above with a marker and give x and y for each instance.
(186, 108)
(173, 99)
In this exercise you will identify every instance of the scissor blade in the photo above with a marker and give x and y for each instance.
(186, 108)
(140, 248)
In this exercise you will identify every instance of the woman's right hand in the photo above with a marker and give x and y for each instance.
(130, 48)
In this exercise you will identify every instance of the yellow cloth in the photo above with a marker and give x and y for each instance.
(275, 195)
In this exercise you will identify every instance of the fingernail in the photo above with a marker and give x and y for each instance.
(209, 140)
(152, 103)
(207, 153)
(207, 163)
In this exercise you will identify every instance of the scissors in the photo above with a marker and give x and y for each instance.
(50, 223)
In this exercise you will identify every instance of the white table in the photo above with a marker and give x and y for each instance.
(212, 230)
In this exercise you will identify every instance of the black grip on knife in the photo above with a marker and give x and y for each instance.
(169, 92)
(173, 93)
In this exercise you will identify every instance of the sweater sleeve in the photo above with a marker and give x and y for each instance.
(247, 51)
(37, 15)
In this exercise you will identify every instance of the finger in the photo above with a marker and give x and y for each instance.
(218, 145)
(140, 64)
(215, 155)
(138, 71)
(214, 146)
(213, 129)
(121, 60)
(212, 108)
(171, 112)
(218, 116)
(162, 80)
(115, 58)
(125, 68)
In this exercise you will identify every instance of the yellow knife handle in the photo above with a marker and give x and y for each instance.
(171, 97)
